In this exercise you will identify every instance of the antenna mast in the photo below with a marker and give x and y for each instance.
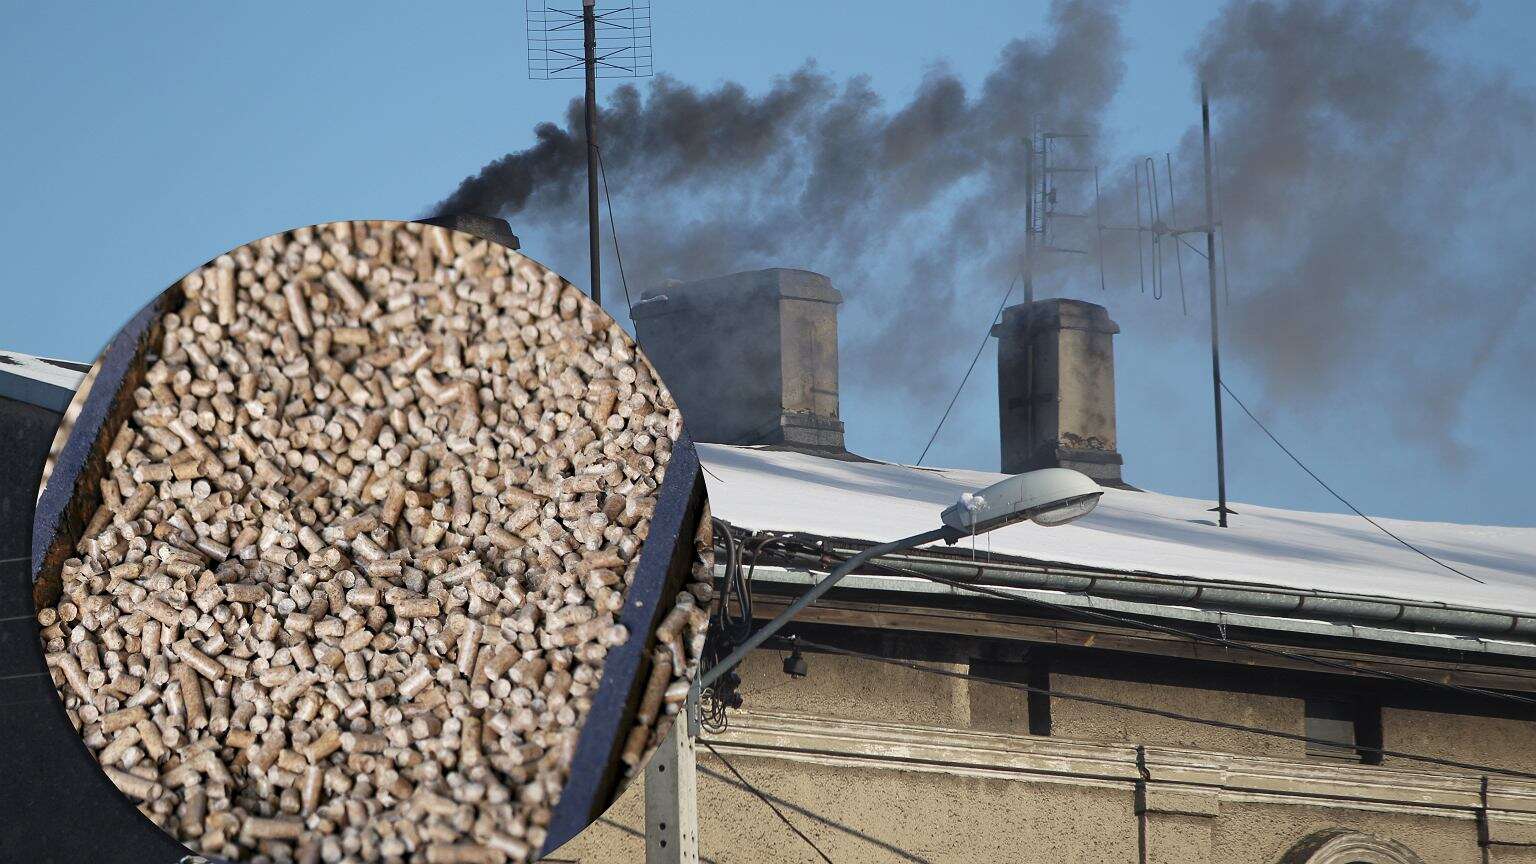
(589, 44)
(1210, 266)
(1040, 203)
(1149, 199)
(615, 41)
(1029, 220)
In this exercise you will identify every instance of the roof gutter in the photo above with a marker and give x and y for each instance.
(917, 588)
(1389, 620)
(35, 392)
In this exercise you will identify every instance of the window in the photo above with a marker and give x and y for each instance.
(1339, 728)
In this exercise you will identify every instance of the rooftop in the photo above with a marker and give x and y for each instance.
(39, 380)
(1138, 551)
(1322, 561)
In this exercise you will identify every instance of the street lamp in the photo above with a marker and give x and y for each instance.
(1050, 496)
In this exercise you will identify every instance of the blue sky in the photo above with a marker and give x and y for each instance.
(143, 139)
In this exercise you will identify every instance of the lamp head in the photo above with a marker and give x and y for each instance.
(1050, 496)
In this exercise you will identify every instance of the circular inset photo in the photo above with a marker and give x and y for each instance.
(376, 541)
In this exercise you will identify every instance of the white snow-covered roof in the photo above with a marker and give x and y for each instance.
(1136, 532)
(39, 380)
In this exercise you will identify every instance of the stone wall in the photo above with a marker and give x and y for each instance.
(877, 764)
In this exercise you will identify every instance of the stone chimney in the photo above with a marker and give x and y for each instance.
(751, 358)
(1056, 388)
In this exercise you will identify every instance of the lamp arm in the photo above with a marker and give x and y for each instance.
(762, 634)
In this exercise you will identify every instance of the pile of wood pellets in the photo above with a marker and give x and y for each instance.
(362, 545)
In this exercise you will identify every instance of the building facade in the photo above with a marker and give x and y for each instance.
(881, 762)
(1141, 686)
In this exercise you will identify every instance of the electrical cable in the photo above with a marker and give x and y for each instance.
(618, 253)
(1220, 641)
(726, 631)
(1341, 498)
(768, 538)
(723, 635)
(1159, 712)
(764, 798)
(740, 626)
(713, 717)
(1362, 749)
(969, 369)
(614, 231)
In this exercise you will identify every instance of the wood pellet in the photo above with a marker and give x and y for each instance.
(362, 550)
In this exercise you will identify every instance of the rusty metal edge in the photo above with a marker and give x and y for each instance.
(666, 560)
(73, 489)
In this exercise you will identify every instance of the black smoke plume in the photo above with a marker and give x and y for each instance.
(914, 212)
(1376, 197)
(1378, 206)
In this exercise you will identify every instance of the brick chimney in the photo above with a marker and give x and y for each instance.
(1056, 388)
(750, 357)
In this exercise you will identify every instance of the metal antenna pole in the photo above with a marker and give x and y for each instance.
(1029, 220)
(1210, 263)
(615, 41)
(589, 28)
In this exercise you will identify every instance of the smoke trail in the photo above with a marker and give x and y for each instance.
(1380, 194)
(1376, 199)
(905, 209)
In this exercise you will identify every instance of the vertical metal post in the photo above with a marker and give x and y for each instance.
(671, 802)
(1098, 219)
(1210, 262)
(1029, 220)
(589, 27)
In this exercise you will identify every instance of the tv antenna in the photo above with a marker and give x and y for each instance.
(1158, 227)
(577, 38)
(1043, 175)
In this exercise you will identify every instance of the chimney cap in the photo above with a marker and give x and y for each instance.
(1059, 313)
(490, 228)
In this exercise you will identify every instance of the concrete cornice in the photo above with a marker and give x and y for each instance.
(1184, 781)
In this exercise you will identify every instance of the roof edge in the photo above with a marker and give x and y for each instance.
(34, 392)
(918, 589)
(1383, 615)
